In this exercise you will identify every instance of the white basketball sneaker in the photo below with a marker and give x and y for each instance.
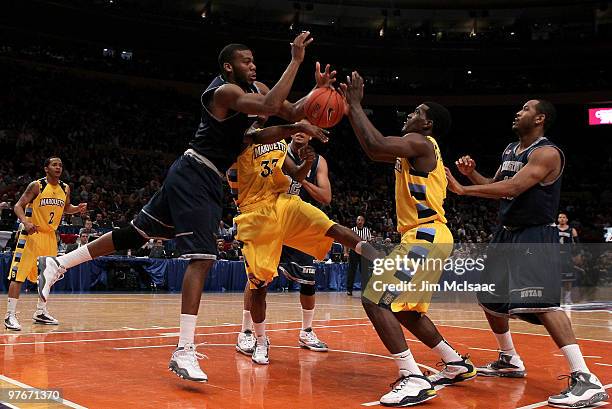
(260, 354)
(409, 390)
(43, 317)
(49, 271)
(184, 363)
(309, 340)
(11, 322)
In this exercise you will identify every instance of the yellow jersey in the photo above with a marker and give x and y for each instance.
(419, 196)
(257, 177)
(47, 209)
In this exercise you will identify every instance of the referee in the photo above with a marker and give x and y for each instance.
(354, 259)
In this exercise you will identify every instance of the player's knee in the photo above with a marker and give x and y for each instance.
(307, 289)
(127, 238)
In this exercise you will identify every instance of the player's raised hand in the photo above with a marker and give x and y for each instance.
(313, 131)
(325, 78)
(298, 46)
(453, 185)
(307, 153)
(353, 89)
(466, 165)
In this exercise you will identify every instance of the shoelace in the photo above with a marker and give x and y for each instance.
(398, 384)
(571, 381)
(59, 275)
(311, 337)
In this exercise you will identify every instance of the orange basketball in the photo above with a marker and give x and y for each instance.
(324, 107)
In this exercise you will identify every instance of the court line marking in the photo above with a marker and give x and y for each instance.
(156, 327)
(72, 341)
(484, 349)
(597, 363)
(522, 333)
(584, 356)
(25, 386)
(8, 405)
(545, 403)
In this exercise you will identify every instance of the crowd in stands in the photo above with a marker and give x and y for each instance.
(116, 144)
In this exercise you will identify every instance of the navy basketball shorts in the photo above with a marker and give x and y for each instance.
(297, 266)
(187, 208)
(524, 265)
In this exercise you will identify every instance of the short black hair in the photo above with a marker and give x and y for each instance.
(441, 119)
(548, 110)
(49, 159)
(227, 53)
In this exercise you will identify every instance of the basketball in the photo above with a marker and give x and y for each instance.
(324, 107)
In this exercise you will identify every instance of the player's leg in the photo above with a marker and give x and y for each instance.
(10, 319)
(585, 388)
(46, 245)
(245, 344)
(307, 338)
(353, 267)
(192, 196)
(21, 264)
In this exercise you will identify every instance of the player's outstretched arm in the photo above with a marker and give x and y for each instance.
(231, 96)
(467, 166)
(542, 163)
(70, 209)
(375, 145)
(277, 133)
(28, 196)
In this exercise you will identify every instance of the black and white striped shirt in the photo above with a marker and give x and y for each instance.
(363, 233)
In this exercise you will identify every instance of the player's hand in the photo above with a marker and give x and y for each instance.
(298, 46)
(307, 153)
(353, 89)
(326, 78)
(82, 207)
(313, 131)
(453, 185)
(30, 227)
(466, 165)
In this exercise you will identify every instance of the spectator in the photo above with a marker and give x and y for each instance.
(158, 250)
(235, 254)
(88, 229)
(82, 240)
(221, 250)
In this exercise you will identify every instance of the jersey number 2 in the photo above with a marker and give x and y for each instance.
(51, 218)
(267, 171)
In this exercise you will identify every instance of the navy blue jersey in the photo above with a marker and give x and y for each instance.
(565, 236)
(221, 141)
(537, 205)
(296, 187)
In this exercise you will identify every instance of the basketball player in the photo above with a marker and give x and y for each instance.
(528, 185)
(270, 218)
(567, 237)
(420, 189)
(296, 265)
(40, 209)
(188, 206)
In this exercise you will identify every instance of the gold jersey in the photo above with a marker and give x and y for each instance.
(419, 196)
(47, 209)
(257, 176)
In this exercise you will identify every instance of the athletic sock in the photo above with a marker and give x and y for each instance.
(406, 364)
(446, 352)
(505, 343)
(74, 258)
(260, 331)
(41, 305)
(11, 306)
(247, 321)
(187, 331)
(574, 358)
(307, 317)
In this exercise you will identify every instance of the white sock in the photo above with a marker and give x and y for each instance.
(307, 316)
(74, 258)
(574, 358)
(187, 332)
(41, 305)
(11, 306)
(505, 343)
(446, 352)
(260, 331)
(247, 321)
(406, 364)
